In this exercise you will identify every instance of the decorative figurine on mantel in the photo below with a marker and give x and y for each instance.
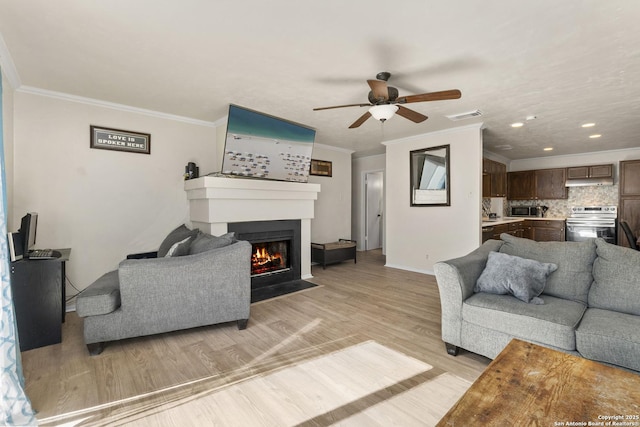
(191, 171)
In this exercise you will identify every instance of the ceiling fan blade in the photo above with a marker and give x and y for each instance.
(342, 106)
(432, 96)
(414, 116)
(361, 120)
(379, 89)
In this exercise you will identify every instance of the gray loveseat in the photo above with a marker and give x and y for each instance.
(194, 279)
(590, 303)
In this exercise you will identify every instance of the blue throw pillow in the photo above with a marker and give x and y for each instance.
(523, 278)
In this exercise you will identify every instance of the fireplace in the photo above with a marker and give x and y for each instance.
(217, 202)
(276, 249)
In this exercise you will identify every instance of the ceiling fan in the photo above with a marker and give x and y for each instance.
(384, 101)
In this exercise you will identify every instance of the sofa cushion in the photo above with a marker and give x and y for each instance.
(101, 297)
(573, 277)
(616, 274)
(508, 274)
(552, 323)
(610, 337)
(174, 237)
(205, 242)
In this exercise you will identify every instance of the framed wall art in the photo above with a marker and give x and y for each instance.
(120, 140)
(429, 169)
(321, 168)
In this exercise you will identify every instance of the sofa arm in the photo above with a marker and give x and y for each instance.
(456, 279)
(164, 286)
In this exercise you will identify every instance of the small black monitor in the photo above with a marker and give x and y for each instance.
(28, 230)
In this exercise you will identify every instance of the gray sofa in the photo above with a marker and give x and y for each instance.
(194, 279)
(590, 304)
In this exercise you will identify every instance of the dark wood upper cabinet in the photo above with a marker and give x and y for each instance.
(630, 178)
(550, 184)
(596, 171)
(629, 201)
(494, 178)
(521, 185)
(537, 184)
(578, 172)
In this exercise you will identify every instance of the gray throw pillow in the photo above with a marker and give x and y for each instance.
(573, 278)
(523, 278)
(174, 237)
(181, 248)
(205, 242)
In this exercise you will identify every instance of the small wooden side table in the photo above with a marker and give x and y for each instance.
(330, 253)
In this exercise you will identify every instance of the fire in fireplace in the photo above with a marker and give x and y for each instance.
(280, 240)
(269, 257)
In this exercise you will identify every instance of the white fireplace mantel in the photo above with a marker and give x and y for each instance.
(214, 202)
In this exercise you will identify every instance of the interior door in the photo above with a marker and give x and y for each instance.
(374, 183)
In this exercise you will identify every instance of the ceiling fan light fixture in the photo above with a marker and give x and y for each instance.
(383, 112)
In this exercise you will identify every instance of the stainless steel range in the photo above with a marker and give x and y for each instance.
(592, 221)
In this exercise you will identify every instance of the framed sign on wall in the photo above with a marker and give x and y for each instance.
(321, 168)
(120, 140)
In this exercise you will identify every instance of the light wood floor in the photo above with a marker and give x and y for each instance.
(353, 303)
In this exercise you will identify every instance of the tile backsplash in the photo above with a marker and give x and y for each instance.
(596, 195)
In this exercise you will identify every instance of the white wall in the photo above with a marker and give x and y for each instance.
(102, 204)
(7, 138)
(360, 167)
(332, 219)
(439, 232)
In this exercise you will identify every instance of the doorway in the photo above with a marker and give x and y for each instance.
(374, 209)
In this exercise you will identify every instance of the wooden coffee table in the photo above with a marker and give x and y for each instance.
(530, 385)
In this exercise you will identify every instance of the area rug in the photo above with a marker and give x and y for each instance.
(279, 289)
(366, 384)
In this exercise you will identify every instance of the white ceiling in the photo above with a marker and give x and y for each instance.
(566, 62)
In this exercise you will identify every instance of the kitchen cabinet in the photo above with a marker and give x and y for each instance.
(596, 171)
(494, 231)
(540, 230)
(521, 185)
(494, 178)
(550, 184)
(629, 198)
(516, 228)
(539, 184)
(545, 230)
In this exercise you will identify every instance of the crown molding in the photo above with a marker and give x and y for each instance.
(112, 105)
(8, 67)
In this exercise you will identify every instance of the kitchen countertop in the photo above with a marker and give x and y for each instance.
(510, 219)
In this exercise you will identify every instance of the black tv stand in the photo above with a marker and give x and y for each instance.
(38, 288)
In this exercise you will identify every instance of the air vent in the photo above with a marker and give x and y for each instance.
(464, 116)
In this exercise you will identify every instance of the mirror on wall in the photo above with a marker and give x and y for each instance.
(430, 183)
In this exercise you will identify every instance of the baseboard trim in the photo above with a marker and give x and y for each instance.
(414, 270)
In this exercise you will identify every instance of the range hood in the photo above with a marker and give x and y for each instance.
(583, 182)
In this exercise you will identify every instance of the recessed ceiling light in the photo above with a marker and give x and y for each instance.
(548, 149)
(529, 118)
(588, 125)
(597, 135)
(517, 125)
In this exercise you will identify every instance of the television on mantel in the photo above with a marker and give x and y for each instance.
(258, 145)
